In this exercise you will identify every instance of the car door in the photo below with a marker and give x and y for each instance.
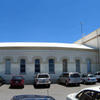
(60, 79)
(65, 77)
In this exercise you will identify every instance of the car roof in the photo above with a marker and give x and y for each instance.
(20, 97)
(71, 73)
(98, 72)
(17, 76)
(42, 74)
(96, 88)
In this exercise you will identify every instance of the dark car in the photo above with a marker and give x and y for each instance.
(2, 81)
(17, 81)
(32, 97)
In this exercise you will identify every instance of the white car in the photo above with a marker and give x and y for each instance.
(42, 79)
(92, 93)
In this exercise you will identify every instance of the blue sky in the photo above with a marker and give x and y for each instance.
(47, 20)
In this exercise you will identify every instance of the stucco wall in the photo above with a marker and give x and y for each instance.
(44, 55)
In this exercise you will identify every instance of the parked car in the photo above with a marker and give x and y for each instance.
(88, 78)
(42, 79)
(97, 75)
(17, 81)
(70, 78)
(32, 97)
(2, 81)
(92, 93)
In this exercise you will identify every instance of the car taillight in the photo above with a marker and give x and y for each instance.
(69, 79)
(36, 80)
(22, 81)
(88, 78)
(11, 81)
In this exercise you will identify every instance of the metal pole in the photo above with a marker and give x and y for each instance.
(97, 49)
(81, 32)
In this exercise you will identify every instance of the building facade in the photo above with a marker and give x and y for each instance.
(27, 59)
(92, 40)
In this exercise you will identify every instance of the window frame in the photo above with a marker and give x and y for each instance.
(22, 65)
(37, 64)
(6, 69)
(52, 63)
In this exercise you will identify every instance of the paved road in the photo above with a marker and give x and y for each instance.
(59, 92)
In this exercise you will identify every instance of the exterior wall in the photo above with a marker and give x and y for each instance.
(30, 55)
(92, 40)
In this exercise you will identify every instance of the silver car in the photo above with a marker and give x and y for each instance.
(42, 79)
(88, 78)
(70, 78)
(97, 75)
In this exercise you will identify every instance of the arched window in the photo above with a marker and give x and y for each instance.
(88, 65)
(65, 65)
(51, 66)
(22, 66)
(8, 66)
(77, 65)
(37, 65)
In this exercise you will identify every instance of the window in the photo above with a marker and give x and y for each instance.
(86, 95)
(8, 66)
(74, 75)
(88, 65)
(22, 66)
(77, 65)
(37, 65)
(65, 65)
(43, 76)
(51, 65)
(66, 75)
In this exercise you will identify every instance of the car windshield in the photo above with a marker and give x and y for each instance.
(43, 76)
(74, 75)
(17, 78)
(90, 75)
(84, 75)
(98, 73)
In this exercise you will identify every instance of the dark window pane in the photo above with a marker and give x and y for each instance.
(65, 65)
(77, 65)
(8, 66)
(22, 65)
(43, 76)
(74, 75)
(37, 66)
(51, 65)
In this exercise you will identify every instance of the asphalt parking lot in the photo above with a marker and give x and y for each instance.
(59, 92)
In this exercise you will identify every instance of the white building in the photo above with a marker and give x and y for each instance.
(29, 58)
(92, 40)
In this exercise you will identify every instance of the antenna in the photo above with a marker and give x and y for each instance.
(98, 53)
(82, 32)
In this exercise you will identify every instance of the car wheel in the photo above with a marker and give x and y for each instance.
(35, 86)
(0, 83)
(48, 86)
(66, 83)
(23, 86)
(78, 84)
(84, 82)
